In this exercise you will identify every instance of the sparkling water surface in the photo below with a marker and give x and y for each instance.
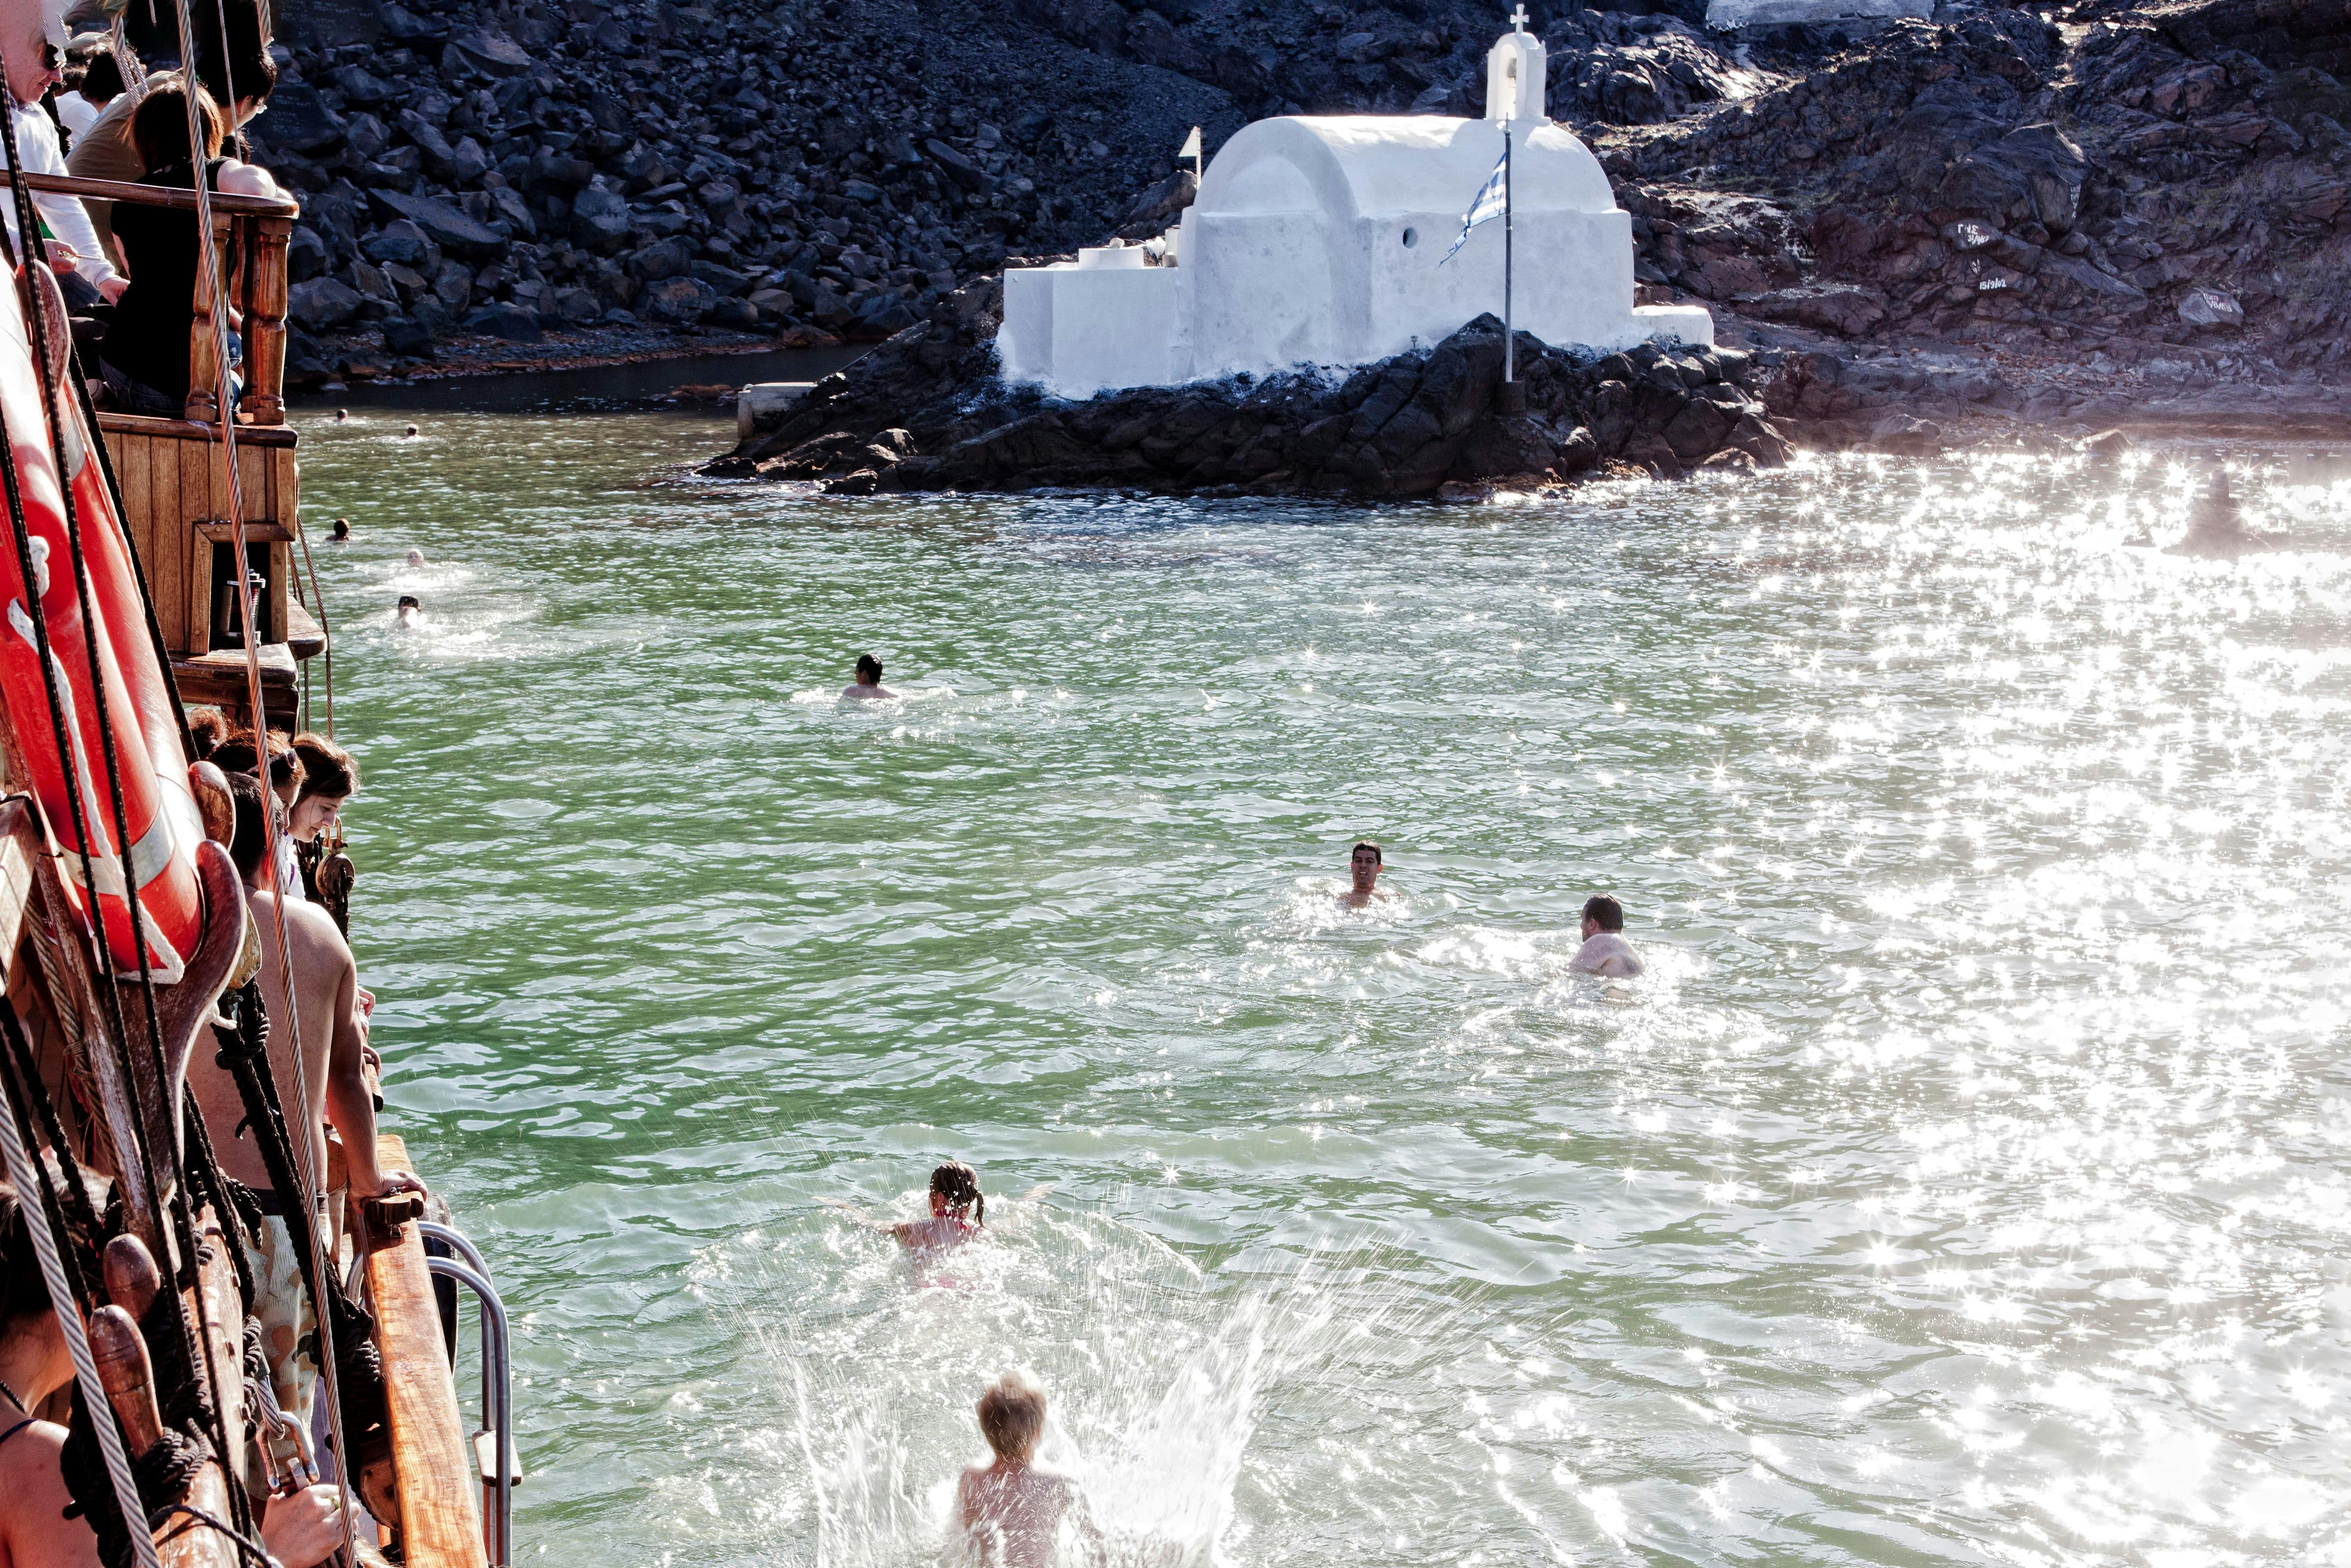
(1964, 1183)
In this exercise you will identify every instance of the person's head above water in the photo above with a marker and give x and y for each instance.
(1012, 1418)
(417, 558)
(407, 607)
(869, 670)
(1364, 864)
(955, 1190)
(342, 528)
(1601, 912)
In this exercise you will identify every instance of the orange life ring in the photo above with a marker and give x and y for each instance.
(165, 826)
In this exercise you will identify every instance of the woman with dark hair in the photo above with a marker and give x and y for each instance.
(959, 1209)
(329, 778)
(236, 754)
(144, 354)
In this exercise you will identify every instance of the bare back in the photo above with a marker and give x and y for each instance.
(1012, 1514)
(324, 990)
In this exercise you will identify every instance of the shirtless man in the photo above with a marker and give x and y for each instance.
(1365, 866)
(333, 1041)
(869, 686)
(1011, 1510)
(1604, 951)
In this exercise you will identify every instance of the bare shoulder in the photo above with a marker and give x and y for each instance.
(246, 180)
(37, 1530)
(310, 930)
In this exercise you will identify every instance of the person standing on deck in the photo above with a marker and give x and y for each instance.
(75, 254)
(101, 84)
(331, 1043)
(107, 152)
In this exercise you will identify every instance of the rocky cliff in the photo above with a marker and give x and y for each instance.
(2126, 207)
(925, 412)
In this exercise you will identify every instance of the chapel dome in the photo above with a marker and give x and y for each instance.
(1373, 166)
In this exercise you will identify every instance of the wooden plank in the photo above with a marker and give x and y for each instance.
(440, 1512)
(303, 637)
(155, 196)
(161, 550)
(20, 842)
(270, 435)
(195, 466)
(255, 531)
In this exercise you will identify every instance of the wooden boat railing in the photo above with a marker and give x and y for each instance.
(175, 497)
(175, 489)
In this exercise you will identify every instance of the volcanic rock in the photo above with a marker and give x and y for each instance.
(927, 411)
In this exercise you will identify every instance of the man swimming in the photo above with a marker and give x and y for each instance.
(410, 613)
(869, 686)
(1604, 951)
(1365, 866)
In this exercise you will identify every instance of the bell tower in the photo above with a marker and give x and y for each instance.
(1515, 68)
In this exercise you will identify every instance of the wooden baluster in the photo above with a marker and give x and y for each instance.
(265, 320)
(203, 366)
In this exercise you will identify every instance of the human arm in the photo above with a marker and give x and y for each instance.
(303, 1529)
(350, 1108)
(68, 220)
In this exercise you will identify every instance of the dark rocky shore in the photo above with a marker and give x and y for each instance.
(927, 412)
(2105, 209)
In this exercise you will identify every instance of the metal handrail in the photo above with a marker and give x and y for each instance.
(497, 1413)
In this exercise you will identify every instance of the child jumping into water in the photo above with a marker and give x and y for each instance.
(1012, 1512)
(958, 1210)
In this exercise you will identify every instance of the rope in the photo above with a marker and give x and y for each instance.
(225, 409)
(84, 1213)
(68, 1315)
(245, 1544)
(177, 1204)
(134, 70)
(139, 562)
(165, 1473)
(326, 631)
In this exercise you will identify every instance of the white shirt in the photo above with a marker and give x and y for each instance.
(37, 140)
(1607, 953)
(76, 112)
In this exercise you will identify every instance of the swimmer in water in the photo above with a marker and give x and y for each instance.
(410, 614)
(1365, 866)
(411, 430)
(342, 530)
(417, 558)
(958, 1210)
(869, 686)
(1011, 1511)
(1604, 951)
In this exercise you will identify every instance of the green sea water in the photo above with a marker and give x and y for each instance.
(1965, 1182)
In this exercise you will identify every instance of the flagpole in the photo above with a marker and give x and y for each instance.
(1512, 397)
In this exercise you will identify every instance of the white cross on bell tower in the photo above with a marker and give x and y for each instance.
(1515, 68)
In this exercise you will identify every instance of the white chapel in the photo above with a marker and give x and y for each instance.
(1321, 239)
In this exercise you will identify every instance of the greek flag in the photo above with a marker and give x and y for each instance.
(1492, 197)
